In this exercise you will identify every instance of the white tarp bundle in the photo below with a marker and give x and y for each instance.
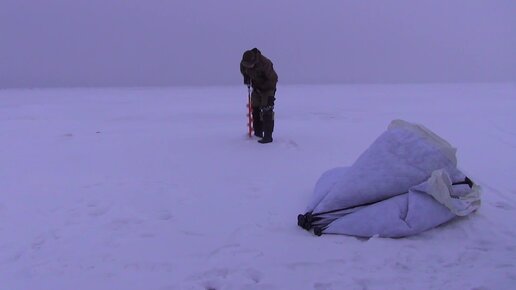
(406, 182)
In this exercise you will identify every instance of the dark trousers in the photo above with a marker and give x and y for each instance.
(257, 121)
(263, 119)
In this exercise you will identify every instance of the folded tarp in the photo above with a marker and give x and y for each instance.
(406, 182)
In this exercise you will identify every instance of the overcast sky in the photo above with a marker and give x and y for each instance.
(45, 43)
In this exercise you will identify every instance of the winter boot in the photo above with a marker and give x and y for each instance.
(267, 138)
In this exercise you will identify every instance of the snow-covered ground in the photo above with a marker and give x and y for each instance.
(161, 189)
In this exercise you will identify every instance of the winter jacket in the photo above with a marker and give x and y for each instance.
(258, 71)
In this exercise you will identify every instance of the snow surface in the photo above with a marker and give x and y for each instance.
(161, 189)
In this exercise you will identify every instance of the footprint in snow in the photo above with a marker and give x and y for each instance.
(224, 278)
(38, 242)
(96, 209)
(503, 205)
(164, 215)
(289, 143)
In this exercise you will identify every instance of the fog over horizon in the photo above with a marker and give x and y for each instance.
(60, 43)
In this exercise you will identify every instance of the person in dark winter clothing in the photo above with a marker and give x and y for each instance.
(258, 72)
